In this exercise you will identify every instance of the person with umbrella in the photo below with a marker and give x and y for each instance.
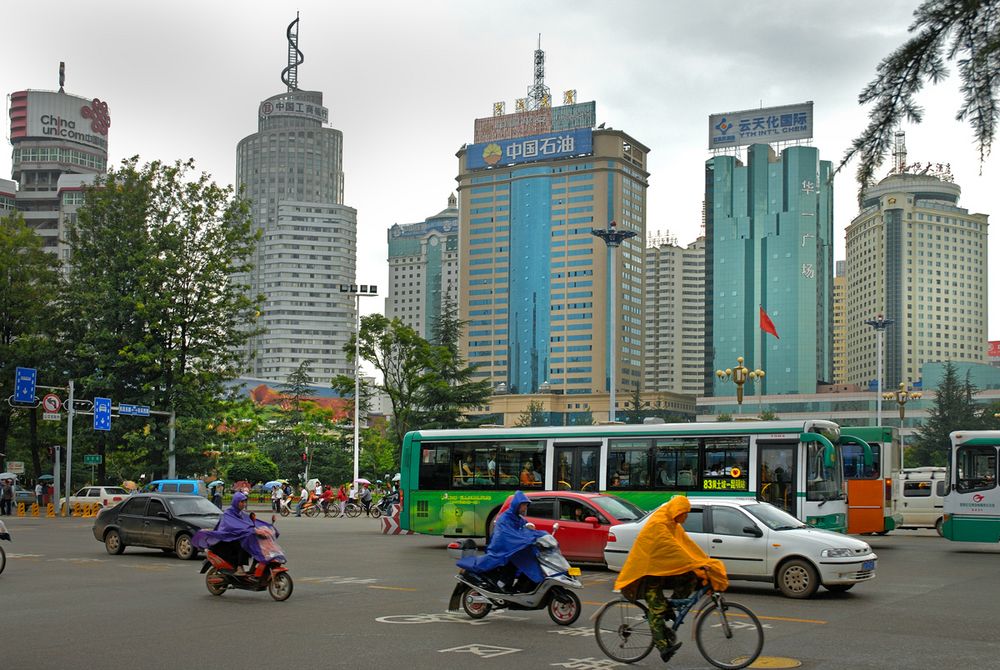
(366, 499)
(6, 493)
(216, 489)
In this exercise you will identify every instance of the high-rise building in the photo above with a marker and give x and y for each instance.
(8, 192)
(674, 312)
(840, 323)
(54, 134)
(292, 171)
(768, 246)
(535, 281)
(917, 258)
(423, 269)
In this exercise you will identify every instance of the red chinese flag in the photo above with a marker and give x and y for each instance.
(766, 324)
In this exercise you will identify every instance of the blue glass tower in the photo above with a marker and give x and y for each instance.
(769, 243)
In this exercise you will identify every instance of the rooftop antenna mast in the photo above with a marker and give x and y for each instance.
(290, 75)
(538, 94)
(899, 152)
(62, 76)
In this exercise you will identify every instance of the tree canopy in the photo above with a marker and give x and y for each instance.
(965, 32)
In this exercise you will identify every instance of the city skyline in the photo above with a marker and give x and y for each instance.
(395, 105)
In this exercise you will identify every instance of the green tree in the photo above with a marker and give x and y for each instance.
(152, 312)
(533, 415)
(584, 418)
(635, 409)
(954, 409)
(253, 468)
(448, 390)
(402, 358)
(724, 417)
(29, 285)
(768, 415)
(965, 32)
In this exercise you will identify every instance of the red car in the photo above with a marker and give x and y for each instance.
(584, 520)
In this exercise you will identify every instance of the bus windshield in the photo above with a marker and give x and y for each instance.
(823, 481)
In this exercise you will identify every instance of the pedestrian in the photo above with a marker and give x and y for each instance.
(327, 498)
(342, 499)
(49, 497)
(352, 492)
(6, 497)
(276, 493)
(303, 497)
(217, 496)
(366, 500)
(317, 490)
(39, 492)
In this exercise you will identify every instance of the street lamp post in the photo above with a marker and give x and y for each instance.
(879, 323)
(613, 238)
(757, 378)
(902, 396)
(739, 376)
(364, 290)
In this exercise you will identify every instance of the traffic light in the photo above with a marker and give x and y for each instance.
(305, 457)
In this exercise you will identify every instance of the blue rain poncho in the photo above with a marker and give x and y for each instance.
(511, 543)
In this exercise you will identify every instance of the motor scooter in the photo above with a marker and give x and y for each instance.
(221, 574)
(479, 593)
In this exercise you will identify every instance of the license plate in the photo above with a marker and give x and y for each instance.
(573, 572)
(868, 565)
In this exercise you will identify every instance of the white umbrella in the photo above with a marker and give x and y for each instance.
(396, 477)
(311, 484)
(362, 480)
(7, 475)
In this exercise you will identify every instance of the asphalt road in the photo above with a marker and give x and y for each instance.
(363, 599)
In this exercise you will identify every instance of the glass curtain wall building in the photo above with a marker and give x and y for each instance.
(769, 235)
(535, 282)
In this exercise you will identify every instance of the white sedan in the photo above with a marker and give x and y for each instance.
(106, 496)
(759, 542)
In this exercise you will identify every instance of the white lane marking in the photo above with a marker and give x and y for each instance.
(481, 650)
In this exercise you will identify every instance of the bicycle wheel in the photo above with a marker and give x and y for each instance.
(353, 510)
(311, 511)
(730, 636)
(376, 512)
(622, 631)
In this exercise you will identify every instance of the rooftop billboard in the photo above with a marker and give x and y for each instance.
(760, 126)
(536, 122)
(51, 115)
(529, 149)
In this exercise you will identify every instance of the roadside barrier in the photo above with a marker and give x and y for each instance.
(20, 509)
(50, 511)
(34, 509)
(390, 523)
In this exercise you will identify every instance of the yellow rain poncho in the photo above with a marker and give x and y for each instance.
(663, 549)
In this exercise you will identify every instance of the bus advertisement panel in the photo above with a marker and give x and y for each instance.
(454, 481)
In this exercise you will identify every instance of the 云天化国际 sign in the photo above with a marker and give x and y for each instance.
(760, 126)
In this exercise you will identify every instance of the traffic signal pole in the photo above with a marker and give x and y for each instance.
(69, 450)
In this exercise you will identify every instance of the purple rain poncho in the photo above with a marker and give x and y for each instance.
(237, 526)
(511, 543)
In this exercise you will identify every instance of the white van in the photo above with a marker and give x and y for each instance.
(919, 496)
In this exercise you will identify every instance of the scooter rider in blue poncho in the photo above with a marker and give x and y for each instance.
(235, 537)
(512, 543)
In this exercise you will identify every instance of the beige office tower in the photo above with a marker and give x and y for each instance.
(534, 287)
(423, 269)
(840, 323)
(674, 312)
(917, 258)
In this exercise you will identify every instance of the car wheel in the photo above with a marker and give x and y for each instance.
(183, 547)
(838, 588)
(797, 579)
(113, 542)
(939, 527)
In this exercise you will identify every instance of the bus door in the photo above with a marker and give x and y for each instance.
(575, 466)
(776, 481)
(868, 499)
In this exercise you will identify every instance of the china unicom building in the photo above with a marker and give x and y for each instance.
(292, 171)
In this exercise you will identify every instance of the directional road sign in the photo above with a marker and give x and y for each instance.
(24, 385)
(92, 459)
(102, 413)
(132, 410)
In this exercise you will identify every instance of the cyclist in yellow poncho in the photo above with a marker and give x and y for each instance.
(663, 556)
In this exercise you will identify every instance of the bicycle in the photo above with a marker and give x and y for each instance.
(728, 634)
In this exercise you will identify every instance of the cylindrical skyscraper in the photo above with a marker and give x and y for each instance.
(292, 171)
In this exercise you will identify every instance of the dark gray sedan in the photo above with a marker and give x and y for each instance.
(158, 520)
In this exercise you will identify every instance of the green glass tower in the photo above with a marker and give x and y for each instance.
(769, 244)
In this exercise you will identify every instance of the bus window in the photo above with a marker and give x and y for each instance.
(822, 482)
(726, 460)
(677, 464)
(628, 463)
(521, 464)
(435, 471)
(977, 468)
(854, 461)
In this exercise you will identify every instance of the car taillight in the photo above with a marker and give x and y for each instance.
(117, 498)
(454, 545)
(611, 537)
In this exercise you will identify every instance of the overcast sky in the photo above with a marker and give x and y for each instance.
(405, 80)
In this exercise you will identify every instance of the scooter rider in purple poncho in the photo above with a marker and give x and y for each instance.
(237, 533)
(512, 543)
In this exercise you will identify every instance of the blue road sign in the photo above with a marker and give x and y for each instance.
(102, 413)
(132, 410)
(24, 384)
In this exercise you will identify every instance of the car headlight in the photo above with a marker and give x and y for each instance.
(836, 553)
